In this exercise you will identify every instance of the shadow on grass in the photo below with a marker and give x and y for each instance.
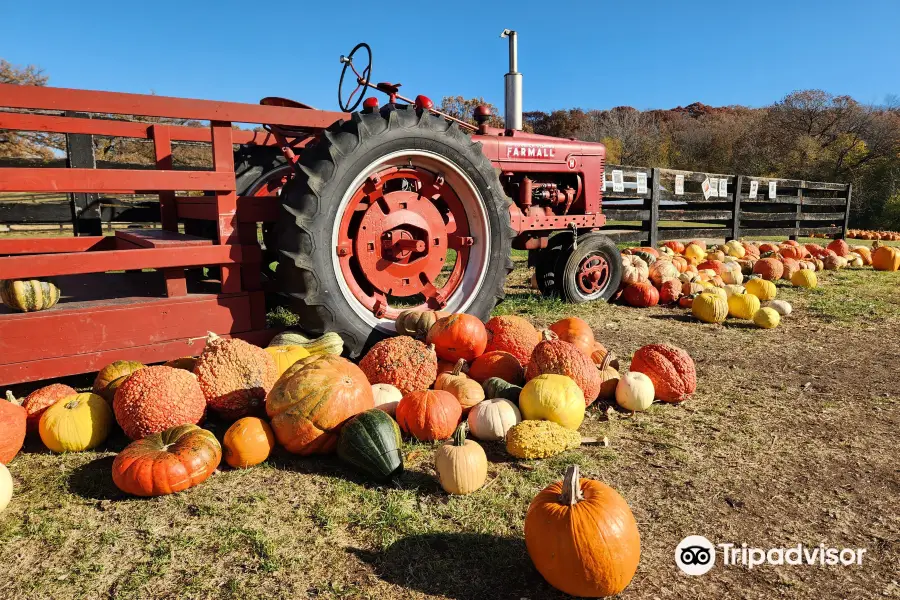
(462, 566)
(675, 317)
(93, 481)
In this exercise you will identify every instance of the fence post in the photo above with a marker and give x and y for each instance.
(797, 211)
(86, 218)
(736, 207)
(847, 212)
(653, 234)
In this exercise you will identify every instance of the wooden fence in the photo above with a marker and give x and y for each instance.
(654, 205)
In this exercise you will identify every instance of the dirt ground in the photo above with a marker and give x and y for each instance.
(791, 438)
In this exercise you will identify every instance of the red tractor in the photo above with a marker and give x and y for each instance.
(403, 206)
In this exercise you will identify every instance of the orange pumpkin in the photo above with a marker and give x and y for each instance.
(675, 246)
(167, 462)
(840, 248)
(512, 334)
(467, 391)
(793, 252)
(582, 537)
(680, 263)
(312, 401)
(458, 336)
(886, 258)
(429, 415)
(669, 291)
(497, 364)
(769, 268)
(248, 442)
(716, 266)
(575, 331)
(641, 295)
(554, 356)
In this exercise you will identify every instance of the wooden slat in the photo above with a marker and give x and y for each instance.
(786, 231)
(691, 197)
(620, 214)
(623, 236)
(111, 180)
(27, 267)
(810, 216)
(822, 185)
(807, 201)
(767, 200)
(53, 245)
(161, 238)
(626, 195)
(666, 233)
(694, 176)
(765, 216)
(694, 215)
(627, 227)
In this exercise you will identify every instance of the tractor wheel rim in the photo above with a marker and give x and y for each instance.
(592, 275)
(271, 183)
(397, 224)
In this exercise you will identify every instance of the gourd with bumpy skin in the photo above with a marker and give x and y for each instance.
(235, 376)
(285, 356)
(582, 537)
(371, 442)
(575, 331)
(429, 415)
(387, 397)
(497, 363)
(669, 291)
(13, 425)
(41, 399)
(168, 462)
(6, 487)
(635, 391)
(761, 288)
(112, 376)
(28, 296)
(76, 423)
(540, 439)
(248, 442)
(461, 464)
(767, 318)
(327, 343)
(467, 391)
(670, 368)
(769, 269)
(458, 336)
(313, 399)
(496, 387)
(709, 308)
(742, 306)
(509, 333)
(417, 323)
(554, 356)
(405, 363)
(491, 419)
(155, 399)
(553, 398)
(839, 247)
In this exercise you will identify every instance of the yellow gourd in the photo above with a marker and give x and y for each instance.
(76, 423)
(804, 278)
(743, 306)
(761, 288)
(286, 356)
(461, 464)
(767, 318)
(717, 291)
(710, 308)
(694, 253)
(554, 398)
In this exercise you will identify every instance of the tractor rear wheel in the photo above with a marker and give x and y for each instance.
(545, 269)
(388, 211)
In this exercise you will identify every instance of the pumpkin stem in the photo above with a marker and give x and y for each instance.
(571, 490)
(12, 399)
(431, 348)
(212, 337)
(459, 436)
(458, 367)
(606, 360)
(548, 335)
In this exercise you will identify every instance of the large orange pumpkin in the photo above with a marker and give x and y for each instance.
(793, 252)
(669, 291)
(429, 415)
(167, 462)
(575, 331)
(641, 295)
(769, 268)
(509, 333)
(554, 356)
(671, 370)
(886, 258)
(675, 246)
(458, 336)
(840, 248)
(497, 364)
(312, 400)
(582, 537)
(13, 419)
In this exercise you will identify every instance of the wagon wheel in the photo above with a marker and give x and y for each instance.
(590, 270)
(389, 211)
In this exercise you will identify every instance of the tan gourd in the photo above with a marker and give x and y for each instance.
(461, 464)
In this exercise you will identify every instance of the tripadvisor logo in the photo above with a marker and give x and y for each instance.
(696, 555)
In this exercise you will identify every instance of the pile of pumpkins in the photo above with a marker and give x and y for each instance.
(445, 378)
(865, 234)
(736, 279)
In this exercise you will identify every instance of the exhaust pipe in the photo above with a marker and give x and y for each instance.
(513, 81)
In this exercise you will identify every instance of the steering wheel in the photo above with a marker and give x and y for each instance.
(362, 80)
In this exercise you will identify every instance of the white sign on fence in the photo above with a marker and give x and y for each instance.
(707, 188)
(713, 187)
(679, 185)
(618, 181)
(723, 188)
(773, 190)
(754, 186)
(641, 183)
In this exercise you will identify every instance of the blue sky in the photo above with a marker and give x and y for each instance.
(591, 54)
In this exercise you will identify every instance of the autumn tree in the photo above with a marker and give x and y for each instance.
(27, 144)
(463, 109)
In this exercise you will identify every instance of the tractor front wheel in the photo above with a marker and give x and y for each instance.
(391, 210)
(589, 269)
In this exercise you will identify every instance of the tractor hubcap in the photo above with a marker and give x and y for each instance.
(592, 275)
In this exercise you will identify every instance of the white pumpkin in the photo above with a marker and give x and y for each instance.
(634, 269)
(635, 391)
(387, 397)
(662, 270)
(732, 276)
(6, 487)
(855, 260)
(782, 307)
(489, 420)
(731, 290)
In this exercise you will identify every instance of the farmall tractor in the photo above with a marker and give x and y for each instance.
(402, 205)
